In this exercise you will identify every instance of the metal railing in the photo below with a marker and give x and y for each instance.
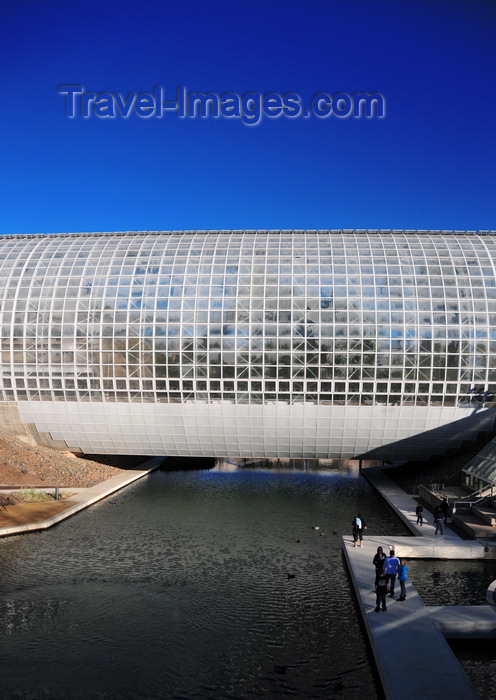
(462, 503)
(466, 506)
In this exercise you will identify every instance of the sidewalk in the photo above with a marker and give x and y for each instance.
(17, 519)
(408, 641)
(426, 544)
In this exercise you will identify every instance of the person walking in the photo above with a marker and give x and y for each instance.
(438, 520)
(381, 590)
(357, 528)
(419, 510)
(402, 573)
(391, 566)
(378, 562)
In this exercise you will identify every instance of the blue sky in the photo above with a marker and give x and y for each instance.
(429, 163)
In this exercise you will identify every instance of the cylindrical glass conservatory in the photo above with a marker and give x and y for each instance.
(251, 343)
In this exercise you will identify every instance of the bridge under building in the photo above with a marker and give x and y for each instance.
(311, 344)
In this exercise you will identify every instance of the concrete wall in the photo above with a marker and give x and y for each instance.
(11, 421)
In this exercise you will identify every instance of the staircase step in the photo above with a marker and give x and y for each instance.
(486, 514)
(473, 525)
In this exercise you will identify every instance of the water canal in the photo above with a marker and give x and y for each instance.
(194, 585)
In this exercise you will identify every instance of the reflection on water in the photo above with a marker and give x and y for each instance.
(193, 585)
(441, 582)
(343, 467)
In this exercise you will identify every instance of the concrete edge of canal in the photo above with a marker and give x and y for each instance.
(83, 498)
(409, 640)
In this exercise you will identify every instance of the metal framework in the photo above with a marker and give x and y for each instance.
(322, 318)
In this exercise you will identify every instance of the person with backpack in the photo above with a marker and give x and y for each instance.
(381, 590)
(357, 528)
(391, 566)
(419, 510)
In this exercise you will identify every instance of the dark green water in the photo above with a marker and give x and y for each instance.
(192, 585)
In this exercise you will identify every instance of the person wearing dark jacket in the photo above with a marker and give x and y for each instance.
(445, 508)
(381, 591)
(439, 521)
(378, 562)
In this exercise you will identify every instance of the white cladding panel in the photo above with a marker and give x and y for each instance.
(279, 430)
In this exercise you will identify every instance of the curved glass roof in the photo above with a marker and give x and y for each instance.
(333, 317)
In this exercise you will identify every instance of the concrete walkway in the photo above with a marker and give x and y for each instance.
(426, 544)
(82, 498)
(413, 658)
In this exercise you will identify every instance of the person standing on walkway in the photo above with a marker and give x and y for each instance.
(419, 510)
(381, 590)
(445, 508)
(391, 566)
(378, 562)
(438, 520)
(357, 528)
(402, 573)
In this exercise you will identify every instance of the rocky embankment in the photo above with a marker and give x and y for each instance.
(25, 465)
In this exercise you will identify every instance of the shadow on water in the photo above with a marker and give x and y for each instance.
(338, 466)
(181, 464)
(344, 467)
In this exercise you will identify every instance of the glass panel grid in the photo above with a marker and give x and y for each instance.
(330, 317)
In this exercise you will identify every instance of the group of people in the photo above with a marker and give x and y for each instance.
(440, 516)
(387, 568)
(440, 520)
